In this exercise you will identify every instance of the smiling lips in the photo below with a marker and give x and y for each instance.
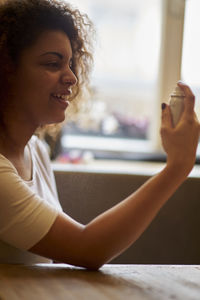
(62, 98)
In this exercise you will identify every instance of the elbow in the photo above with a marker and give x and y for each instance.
(92, 264)
(95, 259)
(89, 264)
(94, 267)
(93, 253)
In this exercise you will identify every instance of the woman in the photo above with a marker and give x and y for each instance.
(45, 60)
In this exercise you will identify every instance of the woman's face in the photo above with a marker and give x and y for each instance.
(43, 80)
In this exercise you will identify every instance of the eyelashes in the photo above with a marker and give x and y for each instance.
(54, 65)
(57, 65)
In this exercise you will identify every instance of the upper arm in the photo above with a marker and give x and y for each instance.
(63, 242)
(24, 216)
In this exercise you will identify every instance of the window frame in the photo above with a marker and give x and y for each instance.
(173, 13)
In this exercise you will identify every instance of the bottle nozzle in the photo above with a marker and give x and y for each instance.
(178, 92)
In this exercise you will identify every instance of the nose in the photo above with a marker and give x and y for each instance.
(69, 77)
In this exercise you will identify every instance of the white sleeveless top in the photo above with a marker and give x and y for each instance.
(27, 208)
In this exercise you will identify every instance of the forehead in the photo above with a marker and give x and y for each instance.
(51, 41)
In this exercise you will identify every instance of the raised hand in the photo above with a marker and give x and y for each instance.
(180, 143)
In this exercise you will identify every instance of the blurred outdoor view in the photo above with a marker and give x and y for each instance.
(191, 49)
(125, 69)
(124, 79)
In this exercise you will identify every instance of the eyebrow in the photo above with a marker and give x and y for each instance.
(54, 53)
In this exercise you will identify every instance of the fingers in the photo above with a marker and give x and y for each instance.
(189, 98)
(166, 116)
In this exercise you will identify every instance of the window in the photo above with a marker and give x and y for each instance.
(191, 48)
(137, 64)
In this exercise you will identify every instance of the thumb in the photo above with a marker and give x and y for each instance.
(166, 116)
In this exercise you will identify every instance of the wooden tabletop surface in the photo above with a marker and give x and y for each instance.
(61, 282)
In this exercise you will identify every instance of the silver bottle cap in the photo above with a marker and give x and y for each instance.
(177, 92)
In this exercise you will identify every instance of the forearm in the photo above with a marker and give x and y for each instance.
(116, 229)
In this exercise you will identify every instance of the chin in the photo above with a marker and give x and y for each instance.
(55, 120)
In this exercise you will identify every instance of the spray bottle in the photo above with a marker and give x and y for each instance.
(176, 104)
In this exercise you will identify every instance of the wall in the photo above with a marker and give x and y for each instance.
(172, 238)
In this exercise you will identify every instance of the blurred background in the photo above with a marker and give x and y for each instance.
(143, 48)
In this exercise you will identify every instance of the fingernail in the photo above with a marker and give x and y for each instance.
(180, 81)
(163, 105)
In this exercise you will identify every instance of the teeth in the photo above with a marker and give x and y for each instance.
(63, 97)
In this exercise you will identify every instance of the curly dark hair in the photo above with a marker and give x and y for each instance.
(22, 21)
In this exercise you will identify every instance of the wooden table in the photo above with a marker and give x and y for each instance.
(139, 282)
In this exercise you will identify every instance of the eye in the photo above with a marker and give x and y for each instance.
(53, 65)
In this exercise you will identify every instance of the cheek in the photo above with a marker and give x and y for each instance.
(39, 82)
(46, 84)
(36, 81)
